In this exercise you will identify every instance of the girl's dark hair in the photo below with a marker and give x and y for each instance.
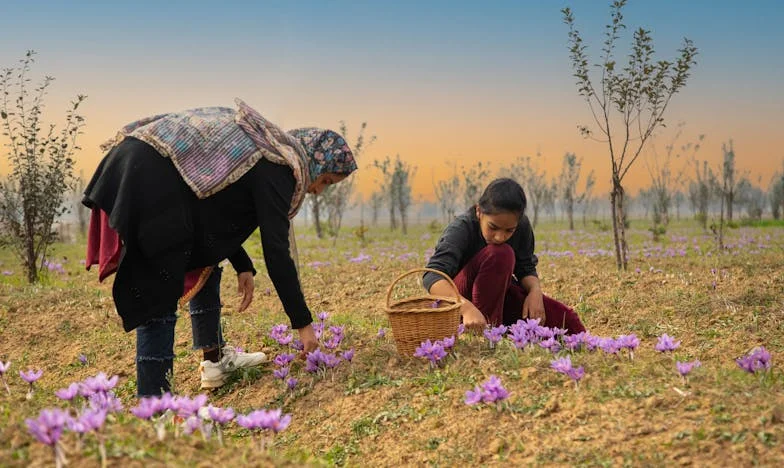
(502, 195)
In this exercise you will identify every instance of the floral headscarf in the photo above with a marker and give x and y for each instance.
(327, 151)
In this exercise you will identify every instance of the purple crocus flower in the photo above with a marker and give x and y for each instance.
(291, 383)
(297, 345)
(433, 352)
(348, 355)
(460, 329)
(278, 421)
(31, 376)
(473, 397)
(629, 342)
(93, 419)
(493, 391)
(667, 343)
(576, 373)
(220, 415)
(83, 359)
(48, 428)
(105, 401)
(573, 342)
(448, 343)
(323, 316)
(758, 359)
(494, 334)
(551, 344)
(145, 409)
(610, 345)
(685, 368)
(98, 384)
(381, 333)
(69, 393)
(281, 373)
(282, 360)
(192, 424)
(561, 365)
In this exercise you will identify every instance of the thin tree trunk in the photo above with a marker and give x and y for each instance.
(616, 236)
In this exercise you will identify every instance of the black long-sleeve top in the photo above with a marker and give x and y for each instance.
(462, 239)
(166, 230)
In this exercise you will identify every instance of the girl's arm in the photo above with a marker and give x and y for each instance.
(533, 306)
(473, 319)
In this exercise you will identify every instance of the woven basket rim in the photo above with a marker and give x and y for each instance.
(451, 305)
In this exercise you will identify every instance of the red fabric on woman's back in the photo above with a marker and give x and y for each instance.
(104, 247)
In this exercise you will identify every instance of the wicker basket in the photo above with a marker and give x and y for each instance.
(414, 320)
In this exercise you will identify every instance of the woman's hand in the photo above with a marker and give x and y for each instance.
(309, 341)
(473, 319)
(245, 287)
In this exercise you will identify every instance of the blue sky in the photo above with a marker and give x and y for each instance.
(436, 81)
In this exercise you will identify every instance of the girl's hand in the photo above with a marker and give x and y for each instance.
(245, 287)
(473, 319)
(533, 306)
(309, 341)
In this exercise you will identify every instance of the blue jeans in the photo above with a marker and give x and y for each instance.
(155, 339)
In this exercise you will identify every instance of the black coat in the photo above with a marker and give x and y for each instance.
(166, 230)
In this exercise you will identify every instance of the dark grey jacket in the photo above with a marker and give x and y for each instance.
(462, 239)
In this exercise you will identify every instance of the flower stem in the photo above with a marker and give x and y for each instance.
(7, 389)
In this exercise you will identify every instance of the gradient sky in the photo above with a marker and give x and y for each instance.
(440, 83)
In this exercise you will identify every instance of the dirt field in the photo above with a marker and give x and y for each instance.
(385, 410)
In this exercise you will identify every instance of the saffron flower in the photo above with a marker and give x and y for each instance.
(348, 355)
(4, 366)
(48, 428)
(281, 373)
(494, 334)
(629, 342)
(283, 360)
(460, 329)
(491, 391)
(433, 352)
(323, 316)
(221, 417)
(291, 383)
(757, 360)
(667, 343)
(551, 344)
(381, 333)
(564, 366)
(69, 393)
(259, 420)
(83, 359)
(685, 368)
(448, 343)
(30, 377)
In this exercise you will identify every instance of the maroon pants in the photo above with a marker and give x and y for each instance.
(486, 280)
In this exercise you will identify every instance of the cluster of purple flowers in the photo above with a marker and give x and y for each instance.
(271, 420)
(491, 391)
(666, 343)
(97, 391)
(280, 333)
(362, 257)
(435, 351)
(564, 366)
(757, 360)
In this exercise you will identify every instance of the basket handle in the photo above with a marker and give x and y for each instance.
(415, 270)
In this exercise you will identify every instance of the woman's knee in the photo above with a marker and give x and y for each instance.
(500, 256)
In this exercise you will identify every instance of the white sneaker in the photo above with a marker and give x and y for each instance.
(214, 374)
